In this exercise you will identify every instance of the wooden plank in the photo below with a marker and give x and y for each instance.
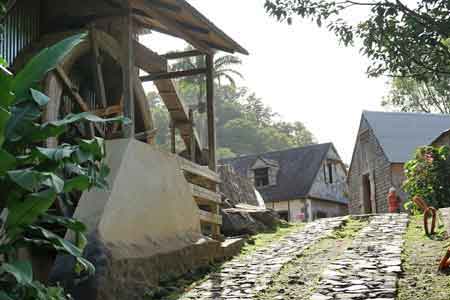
(193, 168)
(97, 67)
(205, 194)
(173, 75)
(170, 24)
(211, 114)
(143, 106)
(110, 110)
(210, 218)
(178, 55)
(75, 95)
(148, 60)
(128, 71)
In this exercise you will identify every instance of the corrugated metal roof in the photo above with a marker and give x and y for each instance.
(298, 169)
(399, 134)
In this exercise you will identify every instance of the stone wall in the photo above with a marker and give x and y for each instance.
(235, 188)
(369, 158)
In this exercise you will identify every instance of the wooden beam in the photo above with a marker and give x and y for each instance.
(166, 6)
(128, 71)
(75, 95)
(178, 55)
(194, 28)
(110, 110)
(142, 104)
(205, 196)
(173, 75)
(97, 67)
(210, 218)
(171, 25)
(148, 60)
(211, 115)
(197, 170)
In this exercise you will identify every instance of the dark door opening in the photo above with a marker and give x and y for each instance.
(367, 192)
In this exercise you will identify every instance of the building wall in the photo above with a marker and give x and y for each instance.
(326, 209)
(369, 159)
(294, 208)
(398, 178)
(21, 28)
(337, 190)
(443, 140)
(309, 209)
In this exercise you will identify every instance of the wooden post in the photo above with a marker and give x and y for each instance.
(173, 141)
(193, 146)
(128, 72)
(97, 67)
(210, 107)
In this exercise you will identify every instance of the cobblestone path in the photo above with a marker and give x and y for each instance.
(369, 268)
(244, 277)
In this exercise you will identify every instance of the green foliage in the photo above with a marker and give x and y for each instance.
(428, 176)
(33, 177)
(409, 95)
(400, 39)
(245, 125)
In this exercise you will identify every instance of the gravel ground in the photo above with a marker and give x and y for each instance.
(299, 279)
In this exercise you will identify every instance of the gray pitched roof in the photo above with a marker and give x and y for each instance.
(298, 169)
(399, 134)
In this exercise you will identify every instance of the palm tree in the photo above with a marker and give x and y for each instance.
(224, 69)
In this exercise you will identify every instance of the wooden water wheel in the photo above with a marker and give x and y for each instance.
(89, 79)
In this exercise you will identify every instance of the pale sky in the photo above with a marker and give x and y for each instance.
(299, 70)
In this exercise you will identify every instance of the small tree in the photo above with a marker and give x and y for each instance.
(33, 177)
(428, 175)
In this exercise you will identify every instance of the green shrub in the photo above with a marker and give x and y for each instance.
(33, 177)
(428, 176)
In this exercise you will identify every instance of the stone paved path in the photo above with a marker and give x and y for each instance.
(369, 268)
(244, 277)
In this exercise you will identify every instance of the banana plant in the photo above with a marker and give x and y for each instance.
(32, 177)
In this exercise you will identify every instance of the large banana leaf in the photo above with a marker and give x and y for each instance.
(44, 62)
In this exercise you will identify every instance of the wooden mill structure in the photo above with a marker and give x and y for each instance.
(102, 74)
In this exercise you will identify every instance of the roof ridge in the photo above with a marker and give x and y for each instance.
(406, 113)
(279, 151)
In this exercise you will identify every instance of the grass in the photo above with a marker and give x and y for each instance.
(263, 239)
(421, 279)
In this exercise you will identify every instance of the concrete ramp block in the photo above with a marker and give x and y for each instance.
(144, 226)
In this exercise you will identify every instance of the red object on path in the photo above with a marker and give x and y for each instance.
(393, 201)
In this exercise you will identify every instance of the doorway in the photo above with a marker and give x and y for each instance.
(367, 192)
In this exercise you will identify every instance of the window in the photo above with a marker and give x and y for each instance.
(330, 173)
(262, 177)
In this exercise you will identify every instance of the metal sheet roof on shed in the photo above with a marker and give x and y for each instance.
(399, 133)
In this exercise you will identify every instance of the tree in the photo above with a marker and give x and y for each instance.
(400, 39)
(428, 174)
(194, 86)
(410, 95)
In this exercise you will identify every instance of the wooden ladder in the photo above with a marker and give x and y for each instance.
(152, 63)
(204, 185)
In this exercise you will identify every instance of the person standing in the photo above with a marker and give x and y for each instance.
(393, 201)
